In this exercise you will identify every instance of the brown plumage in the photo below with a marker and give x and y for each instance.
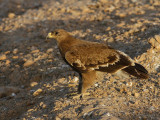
(89, 57)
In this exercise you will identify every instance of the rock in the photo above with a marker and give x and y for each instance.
(152, 42)
(11, 15)
(3, 57)
(7, 52)
(121, 24)
(75, 79)
(157, 37)
(108, 28)
(155, 41)
(28, 63)
(122, 15)
(126, 34)
(43, 56)
(35, 51)
(50, 50)
(15, 51)
(62, 80)
(43, 105)
(37, 92)
(33, 84)
(8, 62)
(15, 57)
(110, 40)
(8, 90)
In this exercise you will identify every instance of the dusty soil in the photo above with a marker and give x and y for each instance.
(35, 81)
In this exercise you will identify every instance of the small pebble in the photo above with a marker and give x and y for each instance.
(28, 63)
(11, 15)
(34, 51)
(50, 50)
(33, 84)
(15, 51)
(37, 92)
(3, 57)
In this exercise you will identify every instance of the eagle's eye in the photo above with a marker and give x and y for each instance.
(56, 33)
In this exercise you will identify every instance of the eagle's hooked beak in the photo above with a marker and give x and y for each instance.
(50, 35)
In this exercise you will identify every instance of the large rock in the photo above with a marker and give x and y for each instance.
(155, 42)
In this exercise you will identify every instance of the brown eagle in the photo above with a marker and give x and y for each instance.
(87, 58)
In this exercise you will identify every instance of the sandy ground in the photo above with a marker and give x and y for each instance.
(35, 81)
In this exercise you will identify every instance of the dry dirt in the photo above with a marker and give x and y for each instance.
(35, 81)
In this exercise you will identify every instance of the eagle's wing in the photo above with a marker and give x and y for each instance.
(87, 57)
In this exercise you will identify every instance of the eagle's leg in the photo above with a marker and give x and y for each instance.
(88, 79)
(80, 84)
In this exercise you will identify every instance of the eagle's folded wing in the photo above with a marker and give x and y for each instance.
(87, 57)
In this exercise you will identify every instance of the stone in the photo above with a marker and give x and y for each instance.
(122, 15)
(33, 84)
(110, 40)
(35, 51)
(8, 62)
(11, 15)
(37, 92)
(7, 52)
(50, 50)
(15, 57)
(3, 57)
(15, 51)
(157, 37)
(28, 63)
(155, 41)
(43, 105)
